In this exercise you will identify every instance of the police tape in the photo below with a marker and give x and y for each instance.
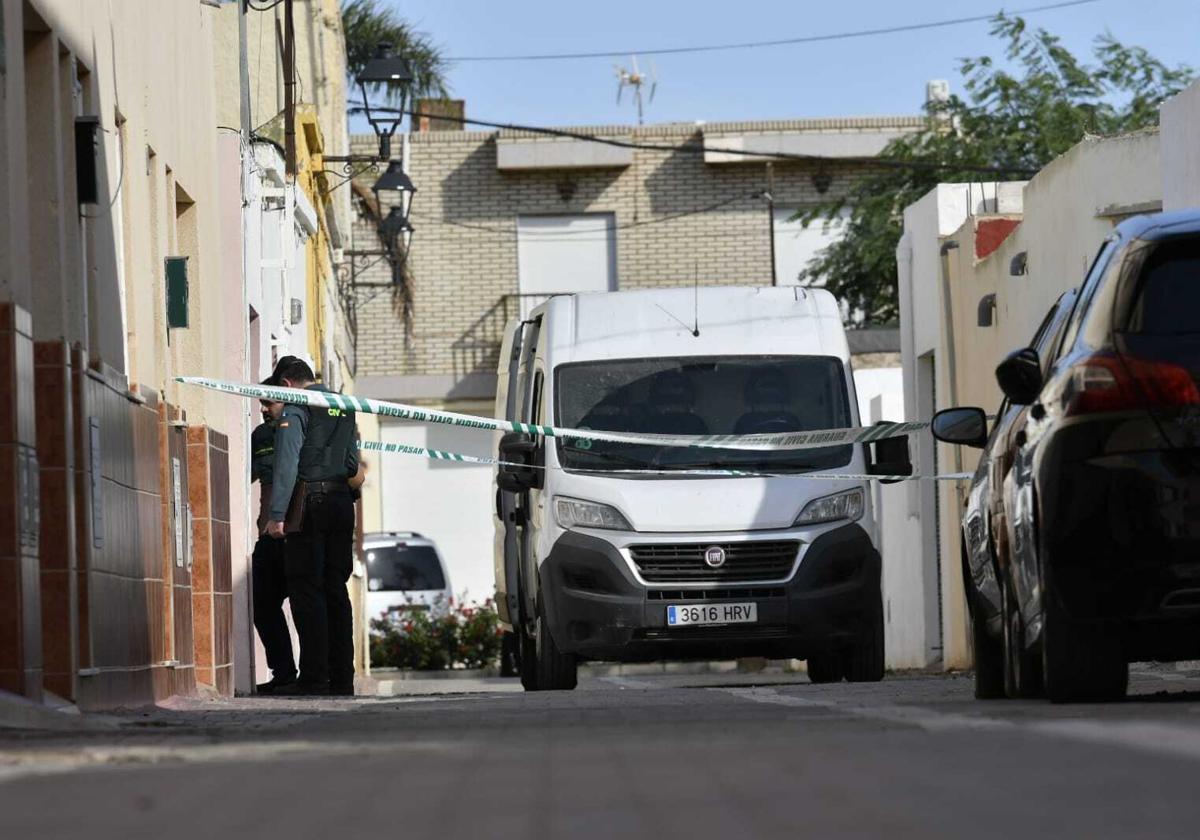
(459, 458)
(776, 442)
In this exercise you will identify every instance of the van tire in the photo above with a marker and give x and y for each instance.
(510, 654)
(824, 668)
(527, 660)
(863, 661)
(548, 669)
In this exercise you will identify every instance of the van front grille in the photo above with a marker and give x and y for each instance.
(744, 561)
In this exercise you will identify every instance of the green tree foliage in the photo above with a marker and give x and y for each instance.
(368, 23)
(1017, 116)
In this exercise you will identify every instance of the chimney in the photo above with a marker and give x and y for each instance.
(433, 109)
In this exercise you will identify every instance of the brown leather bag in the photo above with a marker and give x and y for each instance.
(294, 521)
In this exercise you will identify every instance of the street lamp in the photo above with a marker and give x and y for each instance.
(387, 69)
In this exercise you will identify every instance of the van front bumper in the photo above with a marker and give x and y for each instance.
(598, 609)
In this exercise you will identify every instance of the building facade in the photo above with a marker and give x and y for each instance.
(146, 232)
(504, 219)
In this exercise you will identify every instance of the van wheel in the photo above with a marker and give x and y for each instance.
(864, 661)
(1081, 662)
(510, 655)
(825, 667)
(527, 660)
(548, 668)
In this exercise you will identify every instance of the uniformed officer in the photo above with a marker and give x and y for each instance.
(270, 583)
(316, 454)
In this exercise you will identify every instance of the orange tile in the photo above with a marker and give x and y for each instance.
(202, 574)
(202, 629)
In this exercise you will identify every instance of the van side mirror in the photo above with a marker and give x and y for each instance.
(891, 458)
(520, 472)
(1020, 376)
(964, 426)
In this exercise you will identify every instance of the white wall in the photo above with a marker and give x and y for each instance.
(881, 397)
(1180, 127)
(449, 503)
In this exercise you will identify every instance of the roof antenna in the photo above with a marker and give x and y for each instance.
(696, 297)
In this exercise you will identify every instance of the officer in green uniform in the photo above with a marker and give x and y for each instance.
(318, 448)
(270, 583)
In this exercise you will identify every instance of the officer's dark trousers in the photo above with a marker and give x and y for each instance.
(270, 590)
(319, 563)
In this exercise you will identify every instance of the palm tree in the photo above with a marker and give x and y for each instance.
(368, 23)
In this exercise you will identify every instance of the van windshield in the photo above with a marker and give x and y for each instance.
(741, 395)
(400, 567)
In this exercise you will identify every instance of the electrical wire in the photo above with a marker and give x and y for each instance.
(804, 39)
(598, 235)
(701, 148)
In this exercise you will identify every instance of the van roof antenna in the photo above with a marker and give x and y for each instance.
(696, 297)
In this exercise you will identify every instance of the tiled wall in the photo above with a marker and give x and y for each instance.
(20, 612)
(212, 577)
(57, 549)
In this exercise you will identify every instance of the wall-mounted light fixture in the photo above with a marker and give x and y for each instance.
(1019, 264)
(986, 314)
(385, 69)
(821, 181)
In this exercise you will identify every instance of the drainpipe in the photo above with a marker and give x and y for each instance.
(948, 322)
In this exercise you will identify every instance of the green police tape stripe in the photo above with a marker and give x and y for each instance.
(784, 441)
(437, 454)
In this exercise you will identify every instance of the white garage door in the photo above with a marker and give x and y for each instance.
(575, 253)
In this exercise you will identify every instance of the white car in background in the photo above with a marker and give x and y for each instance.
(405, 574)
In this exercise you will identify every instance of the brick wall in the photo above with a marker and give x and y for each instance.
(464, 250)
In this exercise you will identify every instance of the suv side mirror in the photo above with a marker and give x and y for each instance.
(520, 473)
(1020, 376)
(891, 458)
(965, 426)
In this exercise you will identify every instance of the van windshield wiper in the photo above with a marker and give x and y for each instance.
(637, 463)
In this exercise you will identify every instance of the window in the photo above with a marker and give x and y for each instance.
(1167, 298)
(401, 567)
(1087, 292)
(702, 396)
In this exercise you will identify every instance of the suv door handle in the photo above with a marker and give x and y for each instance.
(1020, 438)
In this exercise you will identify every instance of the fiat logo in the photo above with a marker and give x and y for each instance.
(714, 556)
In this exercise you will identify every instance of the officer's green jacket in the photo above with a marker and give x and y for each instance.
(262, 452)
(311, 444)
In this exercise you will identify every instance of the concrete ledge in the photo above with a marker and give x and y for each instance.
(833, 144)
(560, 154)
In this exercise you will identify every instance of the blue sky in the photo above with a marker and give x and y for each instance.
(878, 75)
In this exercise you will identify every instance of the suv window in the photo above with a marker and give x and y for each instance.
(1088, 291)
(402, 567)
(1167, 299)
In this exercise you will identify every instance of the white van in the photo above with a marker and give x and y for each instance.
(621, 552)
(405, 573)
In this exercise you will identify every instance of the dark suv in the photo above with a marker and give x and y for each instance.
(1082, 536)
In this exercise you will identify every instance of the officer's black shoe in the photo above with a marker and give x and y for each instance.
(303, 689)
(275, 686)
(341, 690)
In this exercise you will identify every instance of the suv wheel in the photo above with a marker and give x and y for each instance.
(988, 652)
(1083, 662)
(1022, 666)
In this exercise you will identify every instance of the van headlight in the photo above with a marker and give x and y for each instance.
(575, 513)
(847, 505)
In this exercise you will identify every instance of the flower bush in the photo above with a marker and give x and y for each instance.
(466, 636)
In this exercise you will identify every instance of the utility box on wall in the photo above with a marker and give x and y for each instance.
(177, 292)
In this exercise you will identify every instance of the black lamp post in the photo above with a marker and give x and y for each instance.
(388, 69)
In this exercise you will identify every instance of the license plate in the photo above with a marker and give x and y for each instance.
(699, 614)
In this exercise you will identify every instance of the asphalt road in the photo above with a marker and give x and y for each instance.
(714, 755)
